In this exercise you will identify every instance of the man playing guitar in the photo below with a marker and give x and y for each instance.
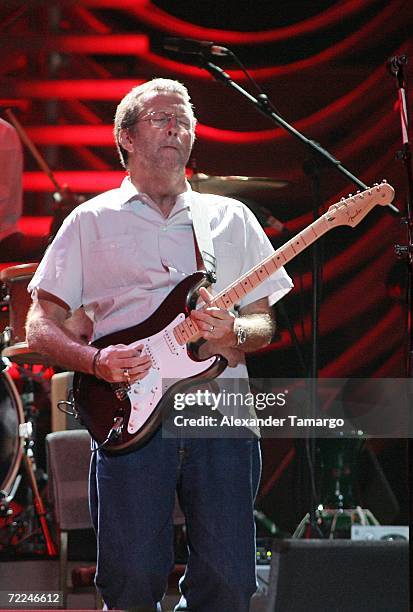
(119, 255)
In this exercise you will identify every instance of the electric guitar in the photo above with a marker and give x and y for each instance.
(122, 417)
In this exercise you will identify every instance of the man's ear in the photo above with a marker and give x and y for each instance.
(125, 140)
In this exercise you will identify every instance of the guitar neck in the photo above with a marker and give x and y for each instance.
(187, 330)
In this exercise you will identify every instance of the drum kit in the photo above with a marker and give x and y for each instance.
(28, 531)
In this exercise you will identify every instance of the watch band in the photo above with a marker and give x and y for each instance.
(241, 335)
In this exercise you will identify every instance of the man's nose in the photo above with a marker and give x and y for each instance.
(172, 124)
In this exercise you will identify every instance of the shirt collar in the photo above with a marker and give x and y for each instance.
(184, 198)
(128, 192)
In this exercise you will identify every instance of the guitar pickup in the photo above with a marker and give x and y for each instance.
(170, 343)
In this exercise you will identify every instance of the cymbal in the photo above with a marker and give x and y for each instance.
(240, 185)
(21, 354)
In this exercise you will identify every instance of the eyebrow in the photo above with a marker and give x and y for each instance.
(163, 110)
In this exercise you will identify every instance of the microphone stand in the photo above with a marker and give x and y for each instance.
(263, 105)
(396, 66)
(318, 153)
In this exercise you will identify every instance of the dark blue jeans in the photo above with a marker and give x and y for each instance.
(132, 500)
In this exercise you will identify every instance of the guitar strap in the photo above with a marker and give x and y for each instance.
(204, 247)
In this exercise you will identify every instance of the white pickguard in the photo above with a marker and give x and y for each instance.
(170, 360)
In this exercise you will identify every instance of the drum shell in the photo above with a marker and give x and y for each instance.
(16, 280)
(11, 443)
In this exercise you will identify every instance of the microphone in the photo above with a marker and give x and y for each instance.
(191, 46)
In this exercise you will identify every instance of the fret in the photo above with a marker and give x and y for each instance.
(271, 265)
(229, 297)
(257, 280)
(253, 278)
(187, 329)
(315, 235)
(177, 331)
(298, 245)
(186, 334)
(219, 301)
(224, 301)
(192, 326)
(240, 290)
(292, 246)
(234, 294)
(245, 283)
(307, 236)
(262, 273)
(280, 258)
(288, 252)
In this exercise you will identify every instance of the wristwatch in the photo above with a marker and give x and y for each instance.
(241, 335)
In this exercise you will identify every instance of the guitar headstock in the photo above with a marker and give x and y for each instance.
(351, 210)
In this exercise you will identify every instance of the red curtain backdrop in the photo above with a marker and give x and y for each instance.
(322, 64)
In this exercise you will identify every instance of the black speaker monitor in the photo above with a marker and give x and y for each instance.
(339, 576)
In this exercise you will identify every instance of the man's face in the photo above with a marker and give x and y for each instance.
(162, 147)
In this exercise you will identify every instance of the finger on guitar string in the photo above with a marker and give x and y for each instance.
(141, 369)
(205, 295)
(115, 359)
(214, 323)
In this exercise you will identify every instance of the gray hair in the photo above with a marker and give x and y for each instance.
(132, 105)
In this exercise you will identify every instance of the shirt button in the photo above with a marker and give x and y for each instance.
(164, 229)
